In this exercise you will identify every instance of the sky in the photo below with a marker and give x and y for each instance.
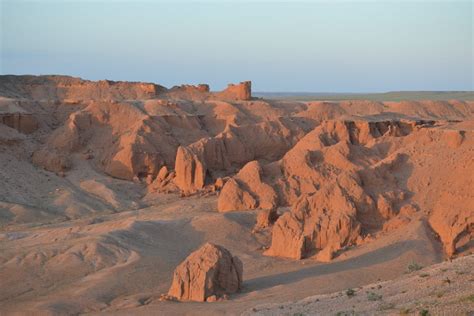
(285, 46)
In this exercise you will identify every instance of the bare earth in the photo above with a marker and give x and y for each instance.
(108, 186)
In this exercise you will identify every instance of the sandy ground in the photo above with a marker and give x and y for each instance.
(442, 289)
(120, 263)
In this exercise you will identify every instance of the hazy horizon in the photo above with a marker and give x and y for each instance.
(319, 46)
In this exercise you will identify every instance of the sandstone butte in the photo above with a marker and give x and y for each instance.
(324, 176)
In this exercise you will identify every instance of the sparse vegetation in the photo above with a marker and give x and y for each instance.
(424, 275)
(350, 292)
(469, 298)
(414, 267)
(371, 296)
(346, 313)
(405, 311)
(424, 312)
(386, 306)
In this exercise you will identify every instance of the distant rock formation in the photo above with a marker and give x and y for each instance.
(70, 88)
(207, 274)
(233, 92)
(241, 91)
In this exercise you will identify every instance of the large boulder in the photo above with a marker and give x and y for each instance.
(208, 273)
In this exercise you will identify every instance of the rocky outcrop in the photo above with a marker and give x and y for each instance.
(70, 88)
(241, 91)
(22, 122)
(266, 218)
(320, 223)
(190, 170)
(235, 147)
(249, 186)
(51, 160)
(454, 226)
(234, 198)
(207, 274)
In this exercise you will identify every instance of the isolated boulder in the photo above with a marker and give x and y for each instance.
(208, 273)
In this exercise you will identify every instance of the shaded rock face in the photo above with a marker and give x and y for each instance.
(209, 272)
(22, 122)
(266, 218)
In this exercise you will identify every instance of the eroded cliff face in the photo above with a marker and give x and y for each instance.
(75, 89)
(347, 180)
(347, 171)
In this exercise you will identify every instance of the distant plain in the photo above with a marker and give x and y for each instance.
(384, 96)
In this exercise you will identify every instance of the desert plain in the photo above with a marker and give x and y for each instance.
(322, 207)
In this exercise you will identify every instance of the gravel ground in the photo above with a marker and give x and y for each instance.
(443, 289)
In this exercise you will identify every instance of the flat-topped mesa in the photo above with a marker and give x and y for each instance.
(241, 91)
(234, 92)
(55, 87)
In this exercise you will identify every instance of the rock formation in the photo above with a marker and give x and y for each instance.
(249, 189)
(241, 91)
(373, 159)
(323, 222)
(266, 218)
(190, 170)
(208, 273)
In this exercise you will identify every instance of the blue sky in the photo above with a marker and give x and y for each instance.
(317, 46)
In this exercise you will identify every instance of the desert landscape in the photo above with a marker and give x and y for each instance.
(129, 198)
